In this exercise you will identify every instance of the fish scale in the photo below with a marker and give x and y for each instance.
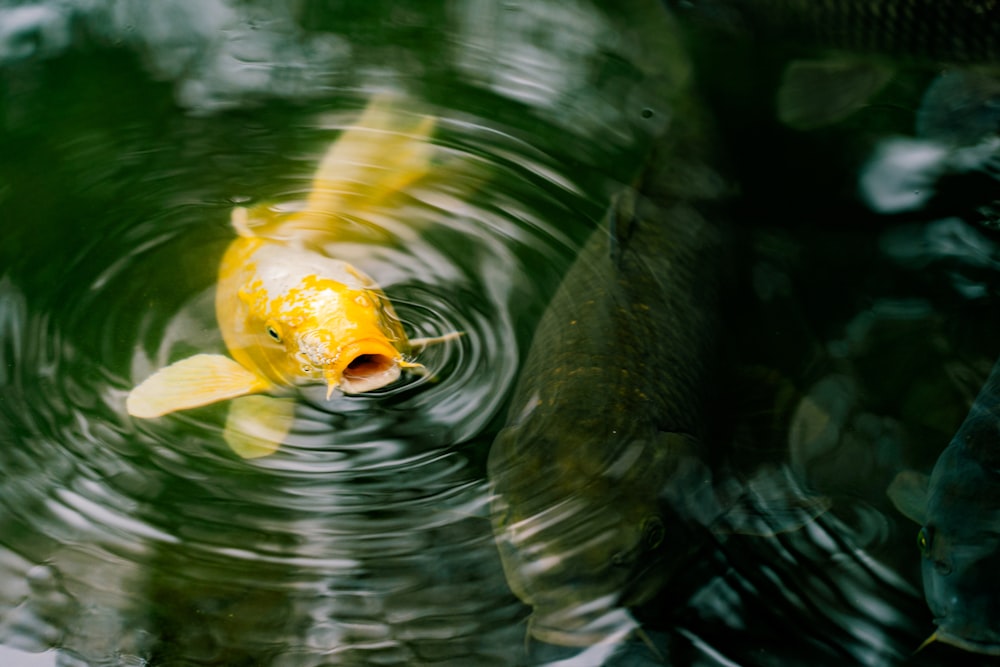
(952, 31)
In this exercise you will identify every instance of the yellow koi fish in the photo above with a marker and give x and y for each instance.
(292, 316)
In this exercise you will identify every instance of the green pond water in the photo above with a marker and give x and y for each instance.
(129, 130)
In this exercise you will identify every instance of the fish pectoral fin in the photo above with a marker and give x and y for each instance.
(817, 93)
(418, 344)
(908, 492)
(190, 383)
(622, 222)
(772, 501)
(257, 425)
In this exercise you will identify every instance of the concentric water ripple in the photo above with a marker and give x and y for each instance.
(341, 538)
(128, 134)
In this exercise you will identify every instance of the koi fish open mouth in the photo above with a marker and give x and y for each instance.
(369, 371)
(371, 364)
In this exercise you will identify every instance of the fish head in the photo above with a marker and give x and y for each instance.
(960, 541)
(962, 589)
(581, 540)
(572, 563)
(320, 330)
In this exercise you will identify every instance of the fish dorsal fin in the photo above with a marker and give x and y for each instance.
(380, 155)
(257, 425)
(908, 492)
(190, 383)
(817, 93)
(372, 161)
(622, 222)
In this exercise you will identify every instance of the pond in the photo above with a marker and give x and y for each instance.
(823, 339)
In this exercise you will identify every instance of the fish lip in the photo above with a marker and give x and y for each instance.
(984, 647)
(598, 621)
(363, 366)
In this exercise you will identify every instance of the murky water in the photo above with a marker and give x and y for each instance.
(129, 131)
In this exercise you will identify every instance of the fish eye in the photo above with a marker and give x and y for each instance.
(273, 333)
(924, 540)
(652, 533)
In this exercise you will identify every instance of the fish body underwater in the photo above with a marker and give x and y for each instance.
(289, 314)
(601, 456)
(958, 508)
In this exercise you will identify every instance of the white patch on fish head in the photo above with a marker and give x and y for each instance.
(318, 347)
(320, 320)
(287, 318)
(345, 339)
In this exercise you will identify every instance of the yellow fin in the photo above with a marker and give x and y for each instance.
(257, 425)
(382, 153)
(192, 382)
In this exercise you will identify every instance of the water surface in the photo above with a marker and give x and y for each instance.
(129, 131)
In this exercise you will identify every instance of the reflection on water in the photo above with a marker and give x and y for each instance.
(216, 53)
(849, 350)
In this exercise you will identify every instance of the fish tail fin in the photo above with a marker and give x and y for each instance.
(382, 153)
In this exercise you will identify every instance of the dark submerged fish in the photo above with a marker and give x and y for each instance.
(958, 507)
(602, 450)
(605, 423)
(600, 480)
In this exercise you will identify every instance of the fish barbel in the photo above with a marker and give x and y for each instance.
(289, 314)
